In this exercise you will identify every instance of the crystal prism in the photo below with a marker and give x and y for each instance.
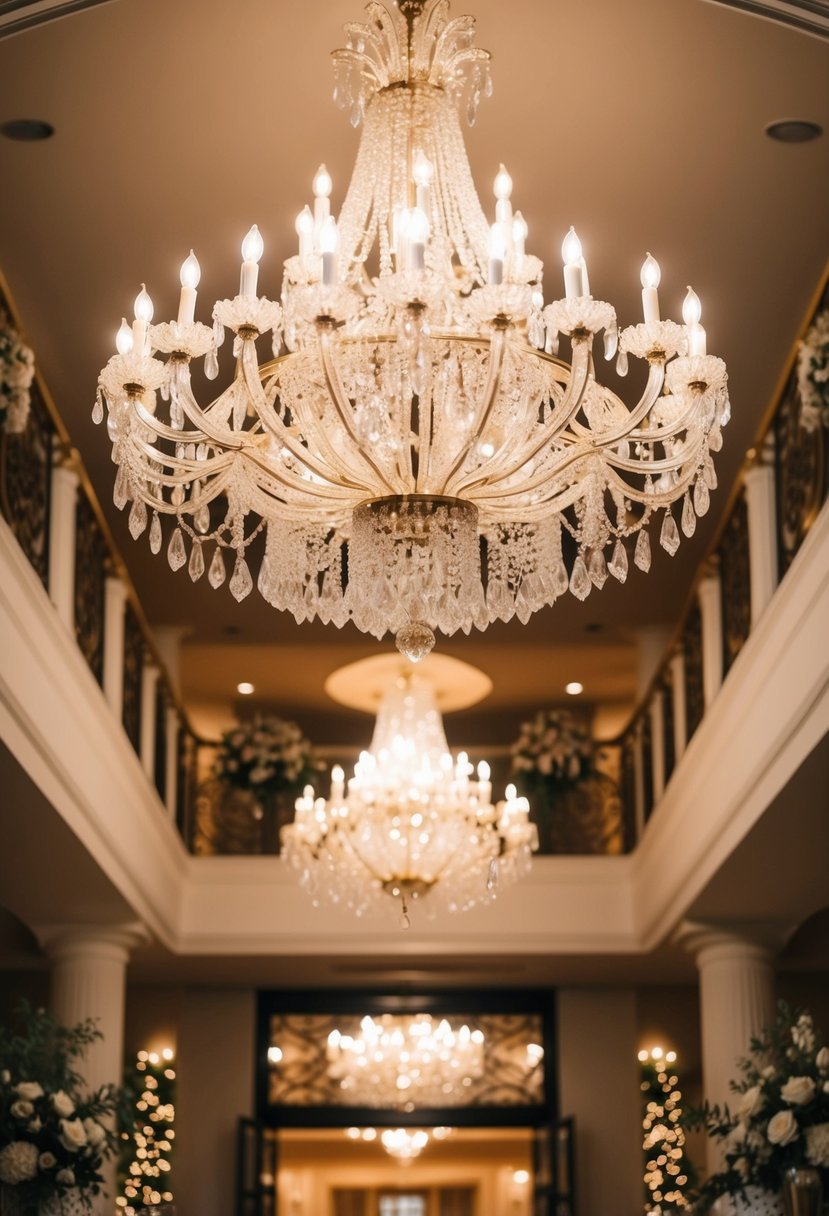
(642, 553)
(689, 519)
(155, 534)
(216, 574)
(618, 564)
(669, 536)
(176, 552)
(241, 583)
(98, 410)
(597, 568)
(138, 518)
(415, 641)
(622, 363)
(580, 583)
(120, 492)
(702, 498)
(196, 566)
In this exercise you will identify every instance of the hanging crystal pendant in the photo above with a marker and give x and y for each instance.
(580, 583)
(669, 536)
(176, 552)
(618, 564)
(155, 534)
(642, 552)
(689, 519)
(196, 565)
(216, 574)
(241, 583)
(415, 641)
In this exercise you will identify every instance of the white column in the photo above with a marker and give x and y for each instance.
(62, 517)
(736, 987)
(651, 645)
(638, 782)
(710, 603)
(168, 639)
(657, 712)
(171, 776)
(679, 706)
(149, 680)
(88, 979)
(762, 528)
(115, 599)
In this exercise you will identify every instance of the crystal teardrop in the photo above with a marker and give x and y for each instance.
(560, 580)
(597, 568)
(611, 343)
(492, 874)
(138, 518)
(415, 641)
(580, 583)
(618, 564)
(196, 567)
(218, 333)
(211, 365)
(622, 363)
(669, 536)
(689, 519)
(642, 552)
(120, 491)
(176, 551)
(241, 583)
(715, 439)
(98, 410)
(155, 534)
(216, 573)
(201, 520)
(702, 498)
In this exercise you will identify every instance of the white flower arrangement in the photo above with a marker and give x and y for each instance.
(17, 371)
(781, 1117)
(54, 1135)
(266, 756)
(553, 747)
(813, 374)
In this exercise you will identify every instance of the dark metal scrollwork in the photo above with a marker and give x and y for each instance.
(799, 466)
(735, 574)
(133, 666)
(692, 650)
(90, 576)
(26, 484)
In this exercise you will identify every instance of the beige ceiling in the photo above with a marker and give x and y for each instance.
(179, 125)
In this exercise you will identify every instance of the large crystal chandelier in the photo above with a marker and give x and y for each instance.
(417, 455)
(413, 822)
(406, 1061)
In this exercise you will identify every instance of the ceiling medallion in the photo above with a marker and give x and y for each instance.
(417, 455)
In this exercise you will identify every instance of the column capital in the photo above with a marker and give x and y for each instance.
(113, 943)
(717, 941)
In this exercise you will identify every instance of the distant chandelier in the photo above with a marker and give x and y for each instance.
(416, 454)
(402, 1143)
(406, 1061)
(412, 822)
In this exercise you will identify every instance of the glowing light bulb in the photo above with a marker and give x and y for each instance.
(252, 250)
(650, 274)
(190, 272)
(497, 253)
(692, 308)
(329, 236)
(503, 184)
(423, 170)
(323, 184)
(123, 339)
(253, 246)
(143, 306)
(483, 771)
(305, 231)
(571, 250)
(520, 231)
(574, 266)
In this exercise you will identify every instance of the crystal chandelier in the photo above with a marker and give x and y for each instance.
(416, 455)
(402, 1143)
(412, 822)
(408, 1061)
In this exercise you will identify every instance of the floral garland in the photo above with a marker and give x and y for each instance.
(54, 1136)
(17, 371)
(553, 747)
(813, 374)
(782, 1110)
(266, 756)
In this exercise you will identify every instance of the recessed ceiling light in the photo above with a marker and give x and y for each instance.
(573, 688)
(27, 129)
(793, 130)
(245, 688)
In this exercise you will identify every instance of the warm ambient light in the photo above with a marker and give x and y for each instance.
(573, 688)
(520, 1177)
(274, 1055)
(417, 458)
(246, 689)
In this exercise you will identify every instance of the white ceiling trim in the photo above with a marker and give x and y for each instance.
(809, 16)
(19, 15)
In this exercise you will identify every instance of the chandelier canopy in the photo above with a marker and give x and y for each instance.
(413, 822)
(409, 1062)
(416, 454)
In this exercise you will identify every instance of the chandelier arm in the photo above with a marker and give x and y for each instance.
(181, 471)
(225, 438)
(497, 350)
(570, 402)
(662, 464)
(656, 378)
(683, 423)
(340, 402)
(297, 485)
(274, 425)
(166, 508)
(167, 432)
(557, 500)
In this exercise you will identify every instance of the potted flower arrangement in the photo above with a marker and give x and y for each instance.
(813, 374)
(17, 371)
(776, 1140)
(54, 1135)
(269, 761)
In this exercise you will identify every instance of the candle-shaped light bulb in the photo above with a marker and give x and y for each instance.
(510, 793)
(143, 315)
(691, 314)
(123, 339)
(483, 771)
(329, 239)
(650, 277)
(571, 252)
(252, 249)
(692, 308)
(423, 170)
(189, 276)
(519, 240)
(503, 190)
(416, 227)
(322, 196)
(305, 231)
(497, 254)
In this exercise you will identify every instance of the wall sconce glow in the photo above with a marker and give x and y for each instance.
(521, 1177)
(275, 1055)
(573, 688)
(246, 689)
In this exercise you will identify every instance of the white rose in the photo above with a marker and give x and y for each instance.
(817, 1145)
(782, 1128)
(66, 1176)
(47, 1161)
(62, 1104)
(768, 1072)
(95, 1134)
(34, 1125)
(822, 1059)
(22, 1110)
(5, 1076)
(29, 1090)
(18, 1162)
(798, 1091)
(72, 1135)
(750, 1102)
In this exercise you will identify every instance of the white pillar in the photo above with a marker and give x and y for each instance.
(657, 712)
(679, 706)
(168, 639)
(171, 776)
(149, 680)
(115, 599)
(736, 988)
(762, 528)
(710, 603)
(62, 517)
(88, 979)
(638, 782)
(651, 644)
